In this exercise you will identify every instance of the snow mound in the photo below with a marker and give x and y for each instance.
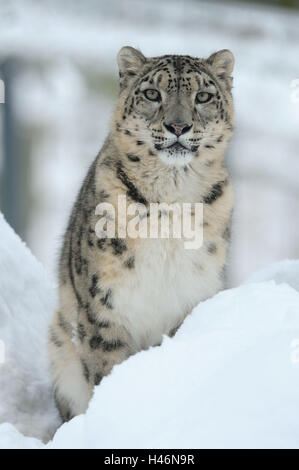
(27, 302)
(229, 378)
(286, 271)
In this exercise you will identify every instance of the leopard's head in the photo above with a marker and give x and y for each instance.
(179, 107)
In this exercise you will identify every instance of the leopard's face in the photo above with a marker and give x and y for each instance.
(179, 106)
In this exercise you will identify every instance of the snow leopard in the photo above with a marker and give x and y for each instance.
(119, 295)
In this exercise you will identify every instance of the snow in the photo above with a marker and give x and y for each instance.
(27, 301)
(229, 378)
(283, 271)
(225, 380)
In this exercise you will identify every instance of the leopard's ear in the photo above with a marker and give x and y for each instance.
(222, 63)
(130, 61)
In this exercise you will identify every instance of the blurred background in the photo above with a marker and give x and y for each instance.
(58, 64)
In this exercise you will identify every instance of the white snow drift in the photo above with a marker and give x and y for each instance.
(229, 378)
(27, 301)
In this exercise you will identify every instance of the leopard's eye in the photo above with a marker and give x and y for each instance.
(152, 95)
(203, 97)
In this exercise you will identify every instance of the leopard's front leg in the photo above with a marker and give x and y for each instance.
(79, 362)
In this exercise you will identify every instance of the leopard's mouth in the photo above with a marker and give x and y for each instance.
(177, 146)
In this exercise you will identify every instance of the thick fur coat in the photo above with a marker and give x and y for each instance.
(167, 139)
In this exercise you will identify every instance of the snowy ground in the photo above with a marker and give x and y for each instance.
(68, 87)
(27, 300)
(229, 378)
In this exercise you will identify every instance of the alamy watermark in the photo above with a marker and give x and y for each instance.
(157, 220)
(295, 351)
(2, 352)
(295, 91)
(2, 92)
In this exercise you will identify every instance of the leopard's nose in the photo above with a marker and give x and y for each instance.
(177, 128)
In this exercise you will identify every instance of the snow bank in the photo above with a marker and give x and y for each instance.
(229, 378)
(27, 302)
(286, 271)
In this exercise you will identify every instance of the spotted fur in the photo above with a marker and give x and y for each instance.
(119, 296)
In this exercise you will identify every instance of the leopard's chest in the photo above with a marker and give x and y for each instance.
(167, 281)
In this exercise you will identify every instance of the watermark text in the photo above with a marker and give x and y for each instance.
(2, 92)
(2, 352)
(295, 351)
(295, 92)
(156, 220)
